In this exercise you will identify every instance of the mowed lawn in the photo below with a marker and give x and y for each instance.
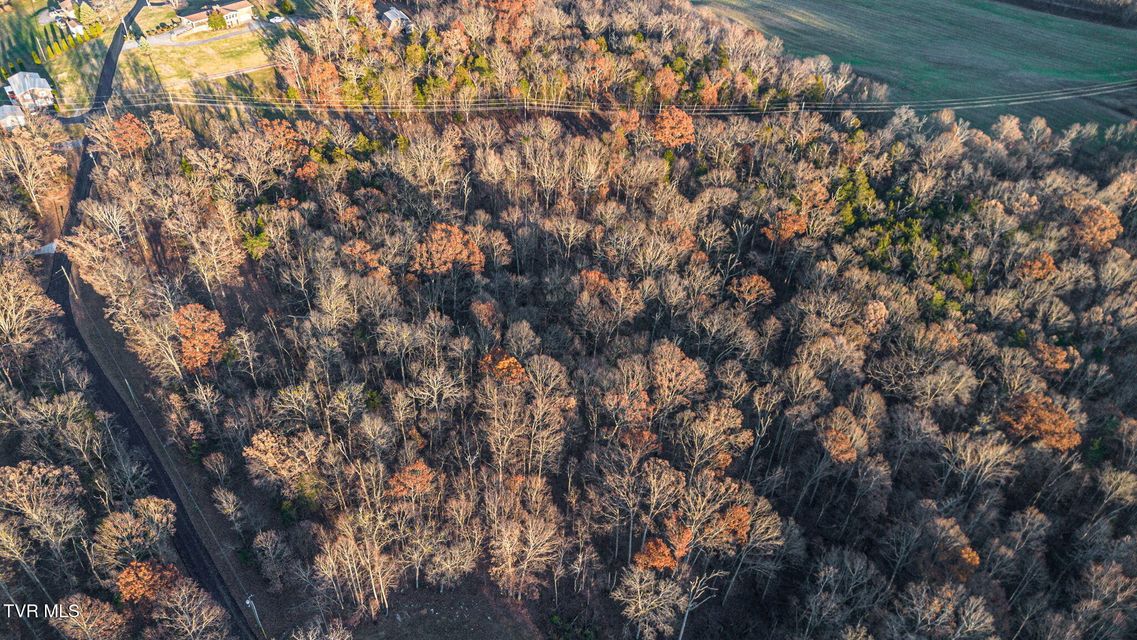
(19, 28)
(150, 17)
(169, 66)
(75, 73)
(959, 49)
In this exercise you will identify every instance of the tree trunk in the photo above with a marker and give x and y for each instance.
(683, 627)
(733, 577)
(631, 528)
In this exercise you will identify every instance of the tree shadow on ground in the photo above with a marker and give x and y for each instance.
(85, 62)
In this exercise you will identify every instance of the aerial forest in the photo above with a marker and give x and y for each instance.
(699, 344)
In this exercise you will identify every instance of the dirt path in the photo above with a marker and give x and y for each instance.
(473, 611)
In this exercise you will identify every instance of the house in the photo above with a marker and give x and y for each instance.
(75, 28)
(29, 90)
(66, 9)
(396, 21)
(66, 14)
(235, 13)
(11, 117)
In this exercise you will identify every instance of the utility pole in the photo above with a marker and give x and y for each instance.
(67, 277)
(250, 604)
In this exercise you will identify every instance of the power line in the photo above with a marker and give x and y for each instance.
(1042, 94)
(162, 98)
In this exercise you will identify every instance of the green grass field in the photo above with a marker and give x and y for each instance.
(953, 49)
(75, 73)
(169, 66)
(150, 17)
(18, 30)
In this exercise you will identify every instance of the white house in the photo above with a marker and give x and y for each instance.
(66, 14)
(396, 21)
(11, 117)
(29, 90)
(75, 27)
(235, 13)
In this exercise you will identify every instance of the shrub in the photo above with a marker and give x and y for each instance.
(216, 21)
(256, 244)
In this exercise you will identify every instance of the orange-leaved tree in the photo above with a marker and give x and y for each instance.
(674, 128)
(785, 225)
(200, 332)
(130, 135)
(752, 290)
(1097, 227)
(145, 582)
(655, 554)
(412, 481)
(1039, 268)
(502, 366)
(445, 248)
(1034, 415)
(666, 83)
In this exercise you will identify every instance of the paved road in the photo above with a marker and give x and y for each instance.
(187, 542)
(110, 67)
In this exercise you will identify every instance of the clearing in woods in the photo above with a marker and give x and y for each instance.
(959, 49)
(470, 612)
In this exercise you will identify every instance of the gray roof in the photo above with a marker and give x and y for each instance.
(394, 14)
(25, 81)
(8, 110)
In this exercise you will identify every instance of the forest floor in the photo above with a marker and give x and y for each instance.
(473, 611)
(958, 49)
